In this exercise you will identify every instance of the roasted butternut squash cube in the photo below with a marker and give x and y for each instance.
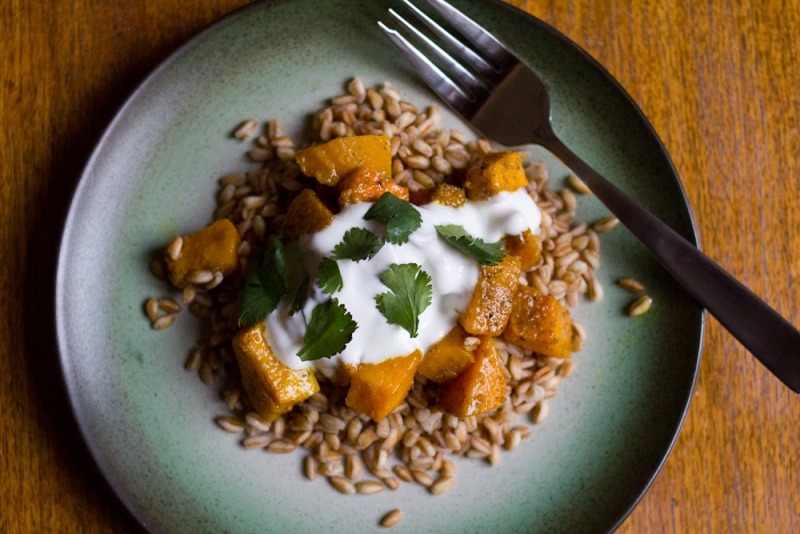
(488, 309)
(500, 171)
(367, 185)
(334, 160)
(378, 388)
(306, 215)
(480, 388)
(449, 195)
(271, 387)
(213, 248)
(420, 197)
(540, 323)
(524, 247)
(447, 357)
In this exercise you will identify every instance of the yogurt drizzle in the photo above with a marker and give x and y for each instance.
(453, 274)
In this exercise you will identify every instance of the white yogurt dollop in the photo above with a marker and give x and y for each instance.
(453, 275)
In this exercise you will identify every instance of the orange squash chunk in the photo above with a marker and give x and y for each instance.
(271, 388)
(524, 247)
(213, 248)
(376, 389)
(447, 357)
(480, 388)
(306, 215)
(334, 160)
(540, 323)
(367, 185)
(488, 309)
(449, 195)
(421, 197)
(500, 171)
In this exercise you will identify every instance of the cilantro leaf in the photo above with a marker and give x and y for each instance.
(474, 247)
(357, 244)
(300, 297)
(329, 278)
(400, 217)
(328, 332)
(265, 285)
(411, 294)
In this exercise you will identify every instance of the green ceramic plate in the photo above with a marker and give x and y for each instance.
(149, 424)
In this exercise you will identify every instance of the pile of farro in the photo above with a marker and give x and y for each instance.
(416, 443)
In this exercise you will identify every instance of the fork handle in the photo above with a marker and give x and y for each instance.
(767, 335)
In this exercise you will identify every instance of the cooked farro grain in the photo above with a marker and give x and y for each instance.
(566, 369)
(631, 284)
(281, 446)
(392, 518)
(393, 483)
(640, 306)
(174, 247)
(606, 224)
(194, 360)
(200, 277)
(513, 440)
(158, 269)
(354, 467)
(443, 485)
(331, 469)
(151, 308)
(169, 305)
(403, 472)
(310, 467)
(257, 442)
(188, 295)
(540, 412)
(234, 426)
(165, 321)
(578, 185)
(246, 129)
(369, 487)
(343, 485)
(422, 477)
(595, 290)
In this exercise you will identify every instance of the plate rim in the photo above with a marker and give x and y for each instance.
(118, 491)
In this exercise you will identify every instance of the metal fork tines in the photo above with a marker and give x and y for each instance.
(505, 101)
(480, 88)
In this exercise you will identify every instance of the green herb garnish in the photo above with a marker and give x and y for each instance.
(300, 297)
(328, 332)
(265, 285)
(357, 244)
(411, 294)
(329, 278)
(400, 217)
(484, 253)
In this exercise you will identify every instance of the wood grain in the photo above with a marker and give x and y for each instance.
(718, 80)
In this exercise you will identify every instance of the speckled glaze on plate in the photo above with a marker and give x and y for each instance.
(149, 424)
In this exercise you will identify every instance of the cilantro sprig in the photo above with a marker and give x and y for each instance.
(300, 297)
(328, 332)
(484, 253)
(265, 285)
(410, 294)
(400, 217)
(357, 244)
(329, 277)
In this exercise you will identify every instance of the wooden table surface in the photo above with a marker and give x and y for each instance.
(720, 82)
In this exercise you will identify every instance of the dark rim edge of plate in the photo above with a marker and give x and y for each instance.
(119, 494)
(695, 237)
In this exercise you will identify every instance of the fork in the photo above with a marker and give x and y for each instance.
(505, 101)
